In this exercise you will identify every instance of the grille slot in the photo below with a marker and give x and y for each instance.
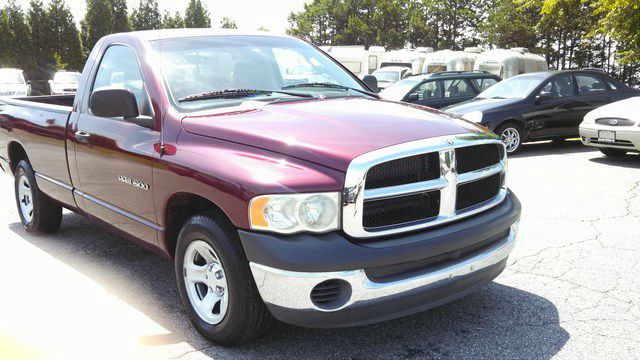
(471, 158)
(615, 122)
(399, 210)
(331, 294)
(476, 192)
(407, 170)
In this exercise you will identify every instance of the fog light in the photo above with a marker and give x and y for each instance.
(331, 294)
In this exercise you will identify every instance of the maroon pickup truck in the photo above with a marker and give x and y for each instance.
(277, 192)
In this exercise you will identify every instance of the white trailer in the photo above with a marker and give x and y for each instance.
(356, 58)
(507, 63)
(449, 60)
(410, 58)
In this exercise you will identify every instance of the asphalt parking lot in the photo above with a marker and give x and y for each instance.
(571, 289)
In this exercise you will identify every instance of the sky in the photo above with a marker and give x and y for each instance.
(248, 14)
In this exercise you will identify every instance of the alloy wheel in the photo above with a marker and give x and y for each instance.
(25, 198)
(206, 282)
(511, 139)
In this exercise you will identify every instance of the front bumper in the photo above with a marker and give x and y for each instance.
(627, 137)
(286, 283)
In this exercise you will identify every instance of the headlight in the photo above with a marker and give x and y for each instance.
(287, 214)
(473, 116)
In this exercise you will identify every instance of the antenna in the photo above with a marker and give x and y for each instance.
(163, 105)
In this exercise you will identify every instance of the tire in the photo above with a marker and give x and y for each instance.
(245, 316)
(38, 213)
(511, 136)
(613, 152)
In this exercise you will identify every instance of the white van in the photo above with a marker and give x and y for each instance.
(410, 58)
(508, 63)
(12, 83)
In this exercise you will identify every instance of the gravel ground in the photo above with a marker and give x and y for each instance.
(571, 288)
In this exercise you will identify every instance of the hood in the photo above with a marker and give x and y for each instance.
(14, 89)
(329, 132)
(624, 109)
(477, 104)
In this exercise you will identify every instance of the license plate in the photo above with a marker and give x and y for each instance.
(606, 135)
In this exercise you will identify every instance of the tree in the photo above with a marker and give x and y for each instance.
(6, 39)
(121, 22)
(511, 23)
(227, 23)
(146, 16)
(98, 22)
(172, 22)
(19, 48)
(196, 15)
(65, 39)
(263, 28)
(391, 19)
(40, 64)
(620, 19)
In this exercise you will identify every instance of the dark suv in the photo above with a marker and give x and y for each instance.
(440, 89)
(541, 106)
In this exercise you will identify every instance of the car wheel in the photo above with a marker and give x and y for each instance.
(613, 152)
(215, 283)
(511, 136)
(38, 213)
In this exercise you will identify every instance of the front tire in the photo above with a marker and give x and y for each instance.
(38, 213)
(216, 284)
(511, 136)
(613, 152)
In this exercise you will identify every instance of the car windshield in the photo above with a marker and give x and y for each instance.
(518, 87)
(67, 78)
(398, 90)
(11, 77)
(206, 64)
(389, 76)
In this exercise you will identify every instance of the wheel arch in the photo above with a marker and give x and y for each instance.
(16, 153)
(180, 208)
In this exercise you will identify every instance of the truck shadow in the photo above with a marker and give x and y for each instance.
(631, 161)
(543, 148)
(495, 322)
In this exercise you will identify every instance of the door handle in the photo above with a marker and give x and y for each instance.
(82, 136)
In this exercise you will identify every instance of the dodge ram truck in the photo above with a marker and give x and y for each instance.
(309, 201)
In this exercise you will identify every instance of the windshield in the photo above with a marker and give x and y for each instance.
(518, 87)
(216, 63)
(398, 90)
(67, 78)
(11, 77)
(389, 76)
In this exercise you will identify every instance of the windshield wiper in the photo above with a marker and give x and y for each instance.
(332, 86)
(238, 93)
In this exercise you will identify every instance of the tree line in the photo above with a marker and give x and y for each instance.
(601, 34)
(44, 38)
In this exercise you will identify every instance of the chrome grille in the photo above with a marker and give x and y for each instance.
(615, 122)
(471, 167)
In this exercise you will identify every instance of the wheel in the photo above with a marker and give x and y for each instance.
(216, 285)
(511, 136)
(613, 152)
(38, 213)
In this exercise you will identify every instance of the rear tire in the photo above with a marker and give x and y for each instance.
(613, 152)
(38, 213)
(512, 137)
(210, 262)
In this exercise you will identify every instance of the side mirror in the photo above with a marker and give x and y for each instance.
(413, 97)
(544, 96)
(117, 102)
(372, 82)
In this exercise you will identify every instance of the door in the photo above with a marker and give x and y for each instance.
(114, 156)
(593, 92)
(554, 113)
(429, 94)
(457, 91)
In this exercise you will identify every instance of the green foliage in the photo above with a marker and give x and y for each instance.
(40, 66)
(227, 23)
(146, 16)
(620, 19)
(98, 22)
(64, 36)
(196, 15)
(512, 23)
(58, 63)
(121, 22)
(7, 58)
(172, 22)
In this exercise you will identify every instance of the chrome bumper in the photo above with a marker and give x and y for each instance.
(291, 290)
